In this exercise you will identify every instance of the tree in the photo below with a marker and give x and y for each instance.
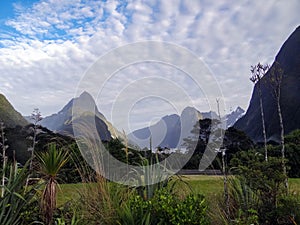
(275, 80)
(258, 71)
(235, 141)
(50, 164)
(196, 143)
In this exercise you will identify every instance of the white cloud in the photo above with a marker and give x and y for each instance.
(52, 44)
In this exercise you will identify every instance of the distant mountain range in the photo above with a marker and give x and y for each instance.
(171, 130)
(9, 115)
(167, 132)
(289, 60)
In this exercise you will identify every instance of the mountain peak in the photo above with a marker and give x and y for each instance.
(239, 110)
(85, 98)
(189, 109)
(234, 116)
(82, 108)
(86, 95)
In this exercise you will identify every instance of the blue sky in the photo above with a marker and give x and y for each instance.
(47, 46)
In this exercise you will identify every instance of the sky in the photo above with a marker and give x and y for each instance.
(48, 47)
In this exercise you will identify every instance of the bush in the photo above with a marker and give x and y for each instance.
(167, 208)
(262, 191)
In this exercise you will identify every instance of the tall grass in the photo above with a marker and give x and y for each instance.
(99, 199)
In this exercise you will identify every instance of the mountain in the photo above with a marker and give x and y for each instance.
(86, 110)
(164, 133)
(234, 116)
(9, 115)
(289, 59)
(168, 132)
(230, 118)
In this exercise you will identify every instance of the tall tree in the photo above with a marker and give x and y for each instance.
(50, 164)
(258, 71)
(275, 80)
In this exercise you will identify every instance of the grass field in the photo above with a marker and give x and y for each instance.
(210, 186)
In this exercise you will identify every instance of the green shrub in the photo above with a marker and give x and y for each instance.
(261, 190)
(167, 208)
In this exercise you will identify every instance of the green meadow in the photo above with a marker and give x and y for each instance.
(209, 186)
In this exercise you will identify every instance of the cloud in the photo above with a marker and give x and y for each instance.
(47, 48)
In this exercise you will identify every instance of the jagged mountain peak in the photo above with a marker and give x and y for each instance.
(234, 116)
(239, 110)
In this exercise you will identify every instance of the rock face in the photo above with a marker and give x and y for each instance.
(88, 112)
(289, 60)
(9, 115)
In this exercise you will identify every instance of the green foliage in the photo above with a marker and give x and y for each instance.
(70, 173)
(234, 141)
(99, 202)
(20, 139)
(51, 161)
(292, 148)
(166, 208)
(31, 212)
(13, 203)
(117, 149)
(243, 202)
(151, 177)
(288, 209)
(67, 219)
(261, 191)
